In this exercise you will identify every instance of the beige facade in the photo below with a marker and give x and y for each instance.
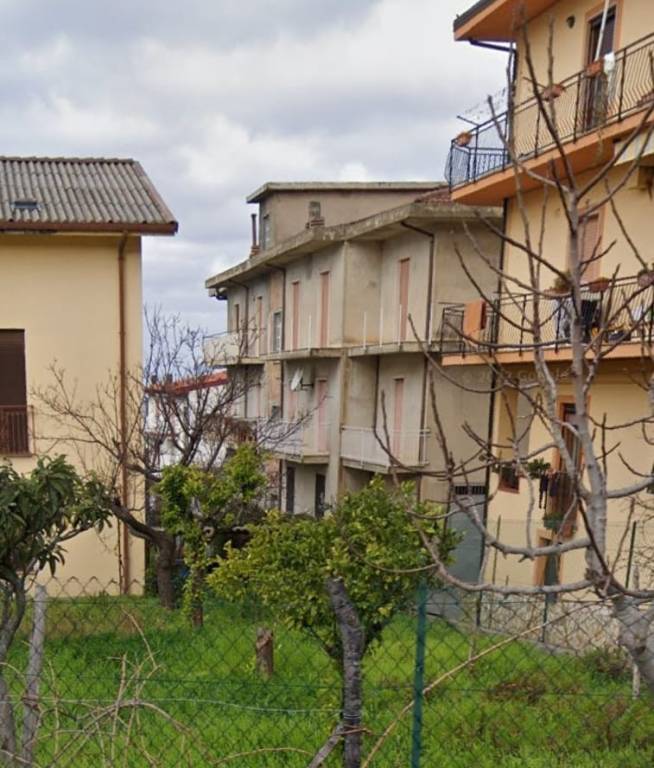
(594, 117)
(73, 290)
(357, 301)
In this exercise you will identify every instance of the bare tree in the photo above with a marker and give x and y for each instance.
(177, 409)
(540, 342)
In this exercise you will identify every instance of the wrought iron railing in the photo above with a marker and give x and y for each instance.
(624, 310)
(602, 94)
(15, 430)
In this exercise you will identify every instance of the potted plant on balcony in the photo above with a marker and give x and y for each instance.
(595, 68)
(646, 276)
(561, 284)
(537, 468)
(463, 139)
(599, 285)
(553, 91)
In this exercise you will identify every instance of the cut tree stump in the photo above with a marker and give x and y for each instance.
(265, 652)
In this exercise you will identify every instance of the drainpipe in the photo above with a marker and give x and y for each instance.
(428, 311)
(124, 565)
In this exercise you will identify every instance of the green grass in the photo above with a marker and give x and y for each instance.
(519, 707)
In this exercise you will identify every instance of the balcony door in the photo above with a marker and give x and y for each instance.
(295, 309)
(324, 309)
(321, 398)
(403, 283)
(13, 394)
(398, 418)
(601, 38)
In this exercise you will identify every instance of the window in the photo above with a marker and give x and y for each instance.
(324, 309)
(290, 490)
(295, 329)
(277, 331)
(589, 248)
(319, 500)
(608, 36)
(515, 420)
(13, 394)
(597, 84)
(266, 231)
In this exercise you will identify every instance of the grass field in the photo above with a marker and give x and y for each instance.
(194, 698)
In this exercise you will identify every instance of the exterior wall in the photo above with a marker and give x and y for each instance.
(362, 290)
(63, 290)
(307, 271)
(613, 394)
(570, 44)
(289, 211)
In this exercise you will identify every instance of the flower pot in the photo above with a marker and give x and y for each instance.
(646, 278)
(600, 285)
(463, 139)
(553, 91)
(595, 68)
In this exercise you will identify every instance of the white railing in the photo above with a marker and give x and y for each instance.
(231, 346)
(360, 445)
(294, 438)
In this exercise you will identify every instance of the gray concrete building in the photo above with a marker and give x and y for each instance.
(329, 317)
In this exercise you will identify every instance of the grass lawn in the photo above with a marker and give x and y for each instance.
(518, 707)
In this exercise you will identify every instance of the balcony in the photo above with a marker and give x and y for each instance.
(235, 348)
(360, 448)
(304, 441)
(603, 95)
(15, 429)
(506, 328)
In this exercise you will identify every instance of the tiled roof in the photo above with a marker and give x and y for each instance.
(80, 194)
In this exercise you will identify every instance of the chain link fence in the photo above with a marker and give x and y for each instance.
(455, 681)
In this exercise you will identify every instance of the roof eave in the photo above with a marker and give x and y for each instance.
(50, 227)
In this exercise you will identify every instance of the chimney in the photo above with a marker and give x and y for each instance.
(315, 215)
(254, 249)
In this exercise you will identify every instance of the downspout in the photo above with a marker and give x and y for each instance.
(427, 339)
(124, 564)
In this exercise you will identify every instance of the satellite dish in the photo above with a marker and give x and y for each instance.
(296, 381)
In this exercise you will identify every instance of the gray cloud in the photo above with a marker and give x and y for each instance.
(214, 98)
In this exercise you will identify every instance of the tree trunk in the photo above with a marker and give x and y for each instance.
(265, 652)
(31, 714)
(197, 609)
(353, 642)
(165, 566)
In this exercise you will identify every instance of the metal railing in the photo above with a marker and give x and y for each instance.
(15, 422)
(625, 310)
(293, 438)
(360, 445)
(230, 347)
(602, 94)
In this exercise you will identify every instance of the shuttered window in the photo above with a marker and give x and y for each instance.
(590, 249)
(13, 389)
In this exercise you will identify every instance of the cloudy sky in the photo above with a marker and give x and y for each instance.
(215, 97)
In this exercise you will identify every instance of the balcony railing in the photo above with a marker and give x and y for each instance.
(619, 85)
(15, 422)
(361, 446)
(231, 347)
(294, 439)
(625, 311)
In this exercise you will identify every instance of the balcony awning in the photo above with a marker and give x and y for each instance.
(496, 20)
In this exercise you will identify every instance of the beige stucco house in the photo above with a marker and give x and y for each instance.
(70, 294)
(328, 318)
(602, 89)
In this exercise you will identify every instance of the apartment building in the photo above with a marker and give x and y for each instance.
(70, 295)
(601, 89)
(328, 320)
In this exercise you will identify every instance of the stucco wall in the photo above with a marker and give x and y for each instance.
(63, 290)
(616, 396)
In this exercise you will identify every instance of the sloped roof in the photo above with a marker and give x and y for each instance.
(80, 195)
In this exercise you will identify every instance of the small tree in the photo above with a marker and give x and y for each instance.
(205, 508)
(39, 513)
(341, 579)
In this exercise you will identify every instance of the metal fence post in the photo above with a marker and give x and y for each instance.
(419, 676)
